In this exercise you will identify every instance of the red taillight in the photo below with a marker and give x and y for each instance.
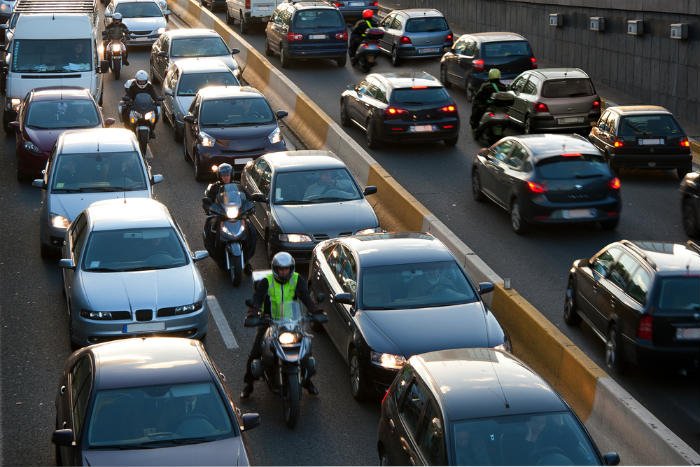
(374, 4)
(614, 184)
(419, 87)
(596, 104)
(449, 37)
(386, 394)
(405, 40)
(342, 36)
(448, 127)
(533, 61)
(491, 114)
(541, 107)
(337, 4)
(536, 187)
(618, 143)
(294, 37)
(478, 64)
(247, 4)
(448, 109)
(394, 112)
(685, 143)
(645, 330)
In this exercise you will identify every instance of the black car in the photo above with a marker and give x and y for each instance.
(547, 179)
(642, 299)
(690, 204)
(642, 136)
(233, 124)
(305, 197)
(403, 106)
(468, 62)
(393, 295)
(307, 30)
(479, 407)
(213, 4)
(147, 401)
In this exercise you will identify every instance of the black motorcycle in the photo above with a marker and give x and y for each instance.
(368, 50)
(495, 120)
(141, 116)
(115, 50)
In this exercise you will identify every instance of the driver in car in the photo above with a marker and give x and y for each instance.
(325, 183)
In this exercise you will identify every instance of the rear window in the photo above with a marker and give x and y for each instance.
(433, 24)
(649, 125)
(318, 19)
(573, 166)
(416, 96)
(506, 49)
(679, 294)
(568, 87)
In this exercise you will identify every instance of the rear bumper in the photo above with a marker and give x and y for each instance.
(646, 354)
(541, 211)
(301, 252)
(318, 51)
(403, 131)
(215, 155)
(410, 51)
(548, 123)
(651, 161)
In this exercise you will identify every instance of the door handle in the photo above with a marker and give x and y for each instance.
(62, 390)
(404, 444)
(392, 425)
(64, 424)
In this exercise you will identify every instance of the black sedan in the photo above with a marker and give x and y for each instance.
(690, 204)
(406, 106)
(147, 401)
(233, 124)
(395, 295)
(547, 179)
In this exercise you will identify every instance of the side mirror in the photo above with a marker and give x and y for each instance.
(157, 178)
(281, 114)
(235, 51)
(62, 437)
(66, 263)
(584, 263)
(168, 92)
(370, 190)
(258, 198)
(39, 183)
(163, 54)
(14, 124)
(109, 122)
(319, 318)
(344, 298)
(167, 13)
(611, 458)
(350, 87)
(252, 322)
(485, 287)
(199, 255)
(189, 118)
(250, 421)
(248, 302)
(4, 26)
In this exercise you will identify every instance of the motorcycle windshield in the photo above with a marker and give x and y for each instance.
(233, 200)
(143, 103)
(290, 318)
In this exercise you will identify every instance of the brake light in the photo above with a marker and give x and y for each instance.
(618, 143)
(571, 154)
(405, 40)
(614, 184)
(645, 330)
(448, 127)
(448, 109)
(478, 64)
(247, 4)
(533, 61)
(374, 4)
(294, 37)
(491, 114)
(337, 4)
(596, 104)
(419, 87)
(536, 187)
(448, 38)
(395, 112)
(541, 107)
(386, 394)
(342, 36)
(685, 143)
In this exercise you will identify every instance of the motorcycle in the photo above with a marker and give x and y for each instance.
(143, 113)
(286, 355)
(495, 120)
(368, 50)
(227, 237)
(114, 54)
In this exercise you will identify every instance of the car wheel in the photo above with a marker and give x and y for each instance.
(185, 154)
(691, 223)
(395, 60)
(342, 61)
(451, 142)
(477, 193)
(198, 172)
(344, 118)
(371, 135)
(527, 125)
(47, 251)
(517, 222)
(571, 316)
(683, 171)
(179, 132)
(284, 58)
(229, 18)
(610, 224)
(268, 50)
(243, 25)
(358, 377)
(613, 350)
(443, 77)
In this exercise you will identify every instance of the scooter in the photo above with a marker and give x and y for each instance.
(227, 235)
(143, 114)
(368, 50)
(495, 120)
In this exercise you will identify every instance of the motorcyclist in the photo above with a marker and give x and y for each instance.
(117, 31)
(359, 31)
(483, 95)
(290, 285)
(136, 86)
(224, 173)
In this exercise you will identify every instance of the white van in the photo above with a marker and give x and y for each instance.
(250, 12)
(50, 50)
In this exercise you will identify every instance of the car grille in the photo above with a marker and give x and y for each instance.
(140, 33)
(119, 315)
(144, 315)
(320, 237)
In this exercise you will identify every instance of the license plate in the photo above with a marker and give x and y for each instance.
(577, 213)
(421, 128)
(687, 333)
(650, 142)
(144, 327)
(356, 3)
(569, 120)
(429, 50)
(317, 36)
(263, 8)
(242, 161)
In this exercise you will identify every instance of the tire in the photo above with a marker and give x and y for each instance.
(143, 142)
(344, 119)
(371, 136)
(384, 457)
(198, 173)
(443, 77)
(99, 101)
(395, 60)
(517, 222)
(614, 359)
(451, 142)
(268, 50)
(284, 58)
(117, 71)
(291, 401)
(236, 270)
(683, 171)
(23, 178)
(358, 377)
(229, 18)
(477, 194)
(609, 224)
(179, 133)
(243, 25)
(342, 61)
(47, 252)
(6, 125)
(691, 223)
(185, 154)
(527, 125)
(469, 91)
(571, 316)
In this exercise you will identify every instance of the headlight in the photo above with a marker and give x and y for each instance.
(368, 231)
(116, 48)
(150, 116)
(387, 360)
(15, 103)
(206, 140)
(160, 31)
(31, 147)
(275, 136)
(4, 8)
(287, 338)
(59, 222)
(295, 238)
(98, 315)
(184, 309)
(232, 212)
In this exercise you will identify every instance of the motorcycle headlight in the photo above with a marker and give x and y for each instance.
(116, 48)
(295, 238)
(15, 103)
(151, 115)
(184, 309)
(59, 222)
(96, 315)
(387, 360)
(368, 231)
(275, 136)
(288, 338)
(232, 212)
(4, 8)
(31, 147)
(206, 140)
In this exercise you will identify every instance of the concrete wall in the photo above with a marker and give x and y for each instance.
(653, 68)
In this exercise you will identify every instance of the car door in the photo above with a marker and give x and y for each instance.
(612, 298)
(330, 284)
(355, 105)
(431, 438)
(515, 110)
(588, 281)
(528, 96)
(512, 173)
(169, 90)
(493, 167)
(346, 276)
(451, 58)
(263, 211)
(191, 131)
(77, 235)
(78, 391)
(411, 409)
(598, 131)
(386, 24)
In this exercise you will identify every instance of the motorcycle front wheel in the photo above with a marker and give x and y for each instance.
(143, 137)
(235, 269)
(292, 399)
(116, 68)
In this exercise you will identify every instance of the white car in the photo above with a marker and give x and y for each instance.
(145, 19)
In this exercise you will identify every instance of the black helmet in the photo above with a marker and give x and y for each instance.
(279, 261)
(224, 169)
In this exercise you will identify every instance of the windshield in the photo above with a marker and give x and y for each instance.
(315, 187)
(190, 83)
(137, 249)
(531, 439)
(419, 96)
(505, 49)
(91, 173)
(433, 24)
(63, 114)
(198, 47)
(573, 166)
(649, 125)
(51, 55)
(569, 87)
(242, 111)
(679, 294)
(290, 317)
(139, 10)
(158, 416)
(318, 19)
(419, 285)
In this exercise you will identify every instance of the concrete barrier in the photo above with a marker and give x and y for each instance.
(620, 422)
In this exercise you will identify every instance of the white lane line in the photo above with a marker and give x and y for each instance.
(222, 323)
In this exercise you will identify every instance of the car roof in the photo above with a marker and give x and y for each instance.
(559, 73)
(124, 213)
(546, 145)
(666, 256)
(384, 249)
(639, 109)
(134, 1)
(200, 65)
(194, 32)
(482, 382)
(103, 140)
(416, 12)
(312, 159)
(406, 79)
(303, 5)
(59, 92)
(148, 361)
(216, 92)
(495, 36)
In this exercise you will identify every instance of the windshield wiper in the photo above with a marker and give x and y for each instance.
(152, 268)
(172, 442)
(292, 202)
(66, 190)
(104, 270)
(588, 175)
(328, 200)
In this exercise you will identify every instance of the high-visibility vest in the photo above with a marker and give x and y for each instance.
(280, 294)
(369, 25)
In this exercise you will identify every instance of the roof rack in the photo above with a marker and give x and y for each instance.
(639, 251)
(691, 245)
(56, 6)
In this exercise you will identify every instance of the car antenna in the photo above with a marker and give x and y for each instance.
(500, 386)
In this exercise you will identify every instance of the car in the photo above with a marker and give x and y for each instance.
(415, 33)
(249, 12)
(547, 179)
(306, 30)
(144, 18)
(86, 166)
(180, 44)
(233, 124)
(135, 243)
(642, 299)
(642, 136)
(305, 197)
(479, 407)
(554, 99)
(690, 204)
(213, 4)
(41, 117)
(147, 401)
(394, 295)
(468, 62)
(352, 9)
(401, 107)
(183, 80)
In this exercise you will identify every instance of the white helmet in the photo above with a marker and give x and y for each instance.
(117, 17)
(141, 78)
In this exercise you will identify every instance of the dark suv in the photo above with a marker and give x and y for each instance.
(306, 30)
(642, 299)
(468, 62)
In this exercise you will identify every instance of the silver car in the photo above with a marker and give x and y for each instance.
(415, 33)
(145, 19)
(127, 270)
(87, 166)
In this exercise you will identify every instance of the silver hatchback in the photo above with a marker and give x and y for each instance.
(415, 33)
(128, 271)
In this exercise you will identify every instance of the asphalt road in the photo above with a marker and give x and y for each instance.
(537, 263)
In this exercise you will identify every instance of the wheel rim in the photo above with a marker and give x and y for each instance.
(476, 185)
(611, 349)
(515, 216)
(528, 129)
(394, 55)
(354, 374)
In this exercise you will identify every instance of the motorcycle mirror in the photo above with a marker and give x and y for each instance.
(235, 51)
(109, 121)
(3, 26)
(163, 53)
(189, 118)
(108, 14)
(344, 298)
(258, 198)
(252, 322)
(250, 421)
(281, 114)
(320, 318)
(14, 124)
(199, 255)
(168, 92)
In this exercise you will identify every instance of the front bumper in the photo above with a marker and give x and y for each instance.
(380, 378)
(542, 211)
(301, 252)
(318, 51)
(238, 159)
(651, 161)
